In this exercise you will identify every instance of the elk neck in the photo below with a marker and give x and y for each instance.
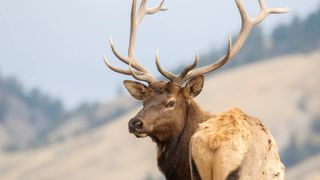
(173, 155)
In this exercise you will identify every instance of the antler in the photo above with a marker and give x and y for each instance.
(247, 24)
(135, 69)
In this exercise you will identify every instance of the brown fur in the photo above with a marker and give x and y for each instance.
(222, 146)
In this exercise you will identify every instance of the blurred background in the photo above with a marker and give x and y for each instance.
(63, 114)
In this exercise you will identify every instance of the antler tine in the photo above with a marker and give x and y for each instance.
(165, 73)
(189, 68)
(135, 69)
(121, 71)
(211, 67)
(264, 12)
(248, 23)
(142, 76)
(143, 10)
(172, 77)
(120, 57)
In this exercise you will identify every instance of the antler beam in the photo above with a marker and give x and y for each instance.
(247, 24)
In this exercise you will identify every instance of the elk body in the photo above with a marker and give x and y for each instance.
(194, 144)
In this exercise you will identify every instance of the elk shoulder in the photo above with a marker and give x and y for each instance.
(231, 145)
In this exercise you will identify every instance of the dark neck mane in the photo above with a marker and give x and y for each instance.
(173, 155)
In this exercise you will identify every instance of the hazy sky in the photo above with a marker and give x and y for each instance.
(58, 45)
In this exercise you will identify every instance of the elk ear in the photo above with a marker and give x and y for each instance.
(136, 89)
(194, 87)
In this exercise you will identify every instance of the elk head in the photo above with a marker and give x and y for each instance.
(165, 103)
(164, 107)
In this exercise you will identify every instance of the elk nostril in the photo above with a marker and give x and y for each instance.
(136, 124)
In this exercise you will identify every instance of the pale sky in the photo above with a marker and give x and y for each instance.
(58, 45)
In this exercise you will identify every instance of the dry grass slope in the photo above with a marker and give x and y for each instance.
(306, 170)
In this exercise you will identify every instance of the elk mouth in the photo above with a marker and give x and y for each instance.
(140, 133)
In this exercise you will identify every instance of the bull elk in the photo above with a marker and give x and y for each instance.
(191, 143)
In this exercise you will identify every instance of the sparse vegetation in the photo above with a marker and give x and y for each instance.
(298, 151)
(316, 125)
(298, 36)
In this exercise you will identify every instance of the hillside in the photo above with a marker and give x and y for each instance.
(25, 116)
(30, 119)
(307, 170)
(283, 92)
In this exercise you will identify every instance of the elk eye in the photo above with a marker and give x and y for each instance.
(171, 104)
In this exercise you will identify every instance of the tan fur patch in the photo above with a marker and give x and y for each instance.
(223, 127)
